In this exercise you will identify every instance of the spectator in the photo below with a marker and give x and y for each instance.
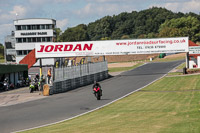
(49, 75)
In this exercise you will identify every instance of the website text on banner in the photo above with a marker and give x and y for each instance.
(112, 47)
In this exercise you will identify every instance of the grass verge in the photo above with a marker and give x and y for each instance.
(118, 69)
(180, 67)
(166, 59)
(169, 105)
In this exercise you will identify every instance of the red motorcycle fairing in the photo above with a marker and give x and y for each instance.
(96, 89)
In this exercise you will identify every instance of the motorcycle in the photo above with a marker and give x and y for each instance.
(5, 86)
(97, 93)
(34, 86)
(19, 83)
(27, 82)
(11, 86)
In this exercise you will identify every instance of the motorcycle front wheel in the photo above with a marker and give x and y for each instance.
(98, 96)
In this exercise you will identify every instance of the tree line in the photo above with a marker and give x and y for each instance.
(1, 51)
(150, 23)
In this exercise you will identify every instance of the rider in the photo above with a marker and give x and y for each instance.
(96, 85)
(37, 77)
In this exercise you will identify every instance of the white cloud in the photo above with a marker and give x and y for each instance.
(44, 2)
(181, 6)
(10, 16)
(62, 23)
(6, 23)
(106, 1)
(103, 9)
(20, 10)
(38, 2)
(64, 1)
(5, 30)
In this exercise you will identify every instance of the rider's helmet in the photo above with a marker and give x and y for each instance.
(6, 79)
(37, 75)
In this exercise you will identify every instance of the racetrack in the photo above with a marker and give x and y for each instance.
(66, 105)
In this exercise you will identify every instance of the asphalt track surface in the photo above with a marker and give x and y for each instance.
(66, 105)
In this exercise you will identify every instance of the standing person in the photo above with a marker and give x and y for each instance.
(49, 75)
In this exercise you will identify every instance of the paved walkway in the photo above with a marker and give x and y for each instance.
(20, 95)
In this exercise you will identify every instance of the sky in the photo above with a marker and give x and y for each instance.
(70, 13)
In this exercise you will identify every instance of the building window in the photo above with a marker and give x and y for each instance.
(28, 27)
(47, 26)
(42, 27)
(23, 27)
(19, 40)
(38, 27)
(18, 27)
(34, 27)
(48, 39)
(34, 39)
(19, 52)
(43, 39)
(38, 39)
(25, 52)
(24, 39)
(29, 39)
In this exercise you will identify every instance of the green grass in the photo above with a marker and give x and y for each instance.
(179, 67)
(170, 105)
(119, 69)
(2, 60)
(175, 73)
(168, 59)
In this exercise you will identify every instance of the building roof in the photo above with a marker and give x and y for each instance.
(10, 68)
(32, 21)
(34, 18)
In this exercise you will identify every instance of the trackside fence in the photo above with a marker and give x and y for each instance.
(69, 78)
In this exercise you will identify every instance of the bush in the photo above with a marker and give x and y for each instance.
(190, 71)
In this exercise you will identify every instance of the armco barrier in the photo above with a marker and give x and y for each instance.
(70, 84)
(70, 78)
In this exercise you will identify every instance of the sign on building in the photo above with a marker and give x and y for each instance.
(194, 50)
(112, 47)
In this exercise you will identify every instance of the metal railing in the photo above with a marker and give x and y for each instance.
(72, 72)
(69, 78)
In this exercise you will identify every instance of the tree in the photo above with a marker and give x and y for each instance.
(125, 37)
(181, 27)
(101, 28)
(105, 38)
(78, 33)
(1, 51)
(58, 34)
(1, 45)
(149, 23)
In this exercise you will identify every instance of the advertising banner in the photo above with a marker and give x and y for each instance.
(112, 47)
(194, 50)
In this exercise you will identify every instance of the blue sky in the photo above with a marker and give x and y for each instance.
(70, 13)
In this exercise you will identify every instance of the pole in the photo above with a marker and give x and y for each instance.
(104, 58)
(40, 67)
(187, 60)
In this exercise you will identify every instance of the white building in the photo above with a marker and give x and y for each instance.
(10, 52)
(31, 31)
